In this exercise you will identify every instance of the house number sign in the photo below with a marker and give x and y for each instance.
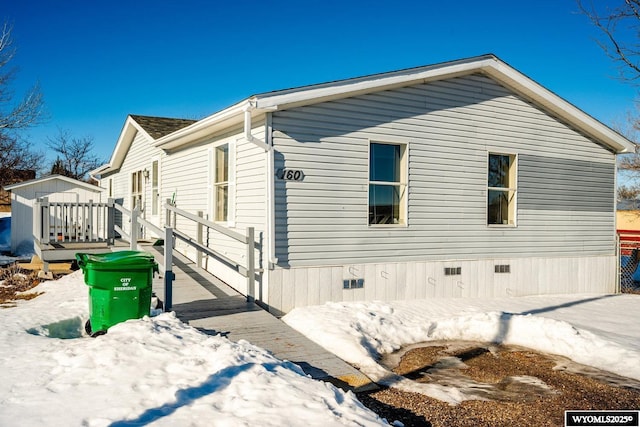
(290, 174)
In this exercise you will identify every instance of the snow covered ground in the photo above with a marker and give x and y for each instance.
(601, 331)
(159, 371)
(156, 371)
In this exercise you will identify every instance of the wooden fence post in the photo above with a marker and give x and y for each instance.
(168, 268)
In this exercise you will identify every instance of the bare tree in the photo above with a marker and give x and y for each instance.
(16, 154)
(75, 155)
(16, 157)
(28, 111)
(620, 27)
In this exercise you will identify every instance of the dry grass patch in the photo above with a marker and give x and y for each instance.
(14, 284)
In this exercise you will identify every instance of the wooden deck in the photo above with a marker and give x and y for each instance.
(206, 303)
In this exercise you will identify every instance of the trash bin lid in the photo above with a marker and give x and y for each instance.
(116, 259)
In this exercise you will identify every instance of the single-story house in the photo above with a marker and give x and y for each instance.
(460, 179)
(56, 188)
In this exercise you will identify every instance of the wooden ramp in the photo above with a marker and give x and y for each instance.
(206, 303)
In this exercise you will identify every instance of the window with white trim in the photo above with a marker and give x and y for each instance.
(155, 191)
(387, 184)
(136, 190)
(221, 183)
(501, 189)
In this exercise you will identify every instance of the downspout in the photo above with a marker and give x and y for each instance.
(270, 162)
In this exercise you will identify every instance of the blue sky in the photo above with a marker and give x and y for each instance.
(97, 61)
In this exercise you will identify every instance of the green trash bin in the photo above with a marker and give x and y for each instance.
(119, 287)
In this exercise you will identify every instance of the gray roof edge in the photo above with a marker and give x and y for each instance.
(86, 185)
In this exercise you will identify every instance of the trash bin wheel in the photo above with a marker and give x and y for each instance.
(87, 329)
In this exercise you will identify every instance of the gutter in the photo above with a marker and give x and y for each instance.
(270, 171)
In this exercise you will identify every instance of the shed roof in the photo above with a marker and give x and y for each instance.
(72, 181)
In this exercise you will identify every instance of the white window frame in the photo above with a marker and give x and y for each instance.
(136, 188)
(513, 188)
(230, 183)
(403, 183)
(156, 205)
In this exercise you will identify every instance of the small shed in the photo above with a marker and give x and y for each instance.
(57, 188)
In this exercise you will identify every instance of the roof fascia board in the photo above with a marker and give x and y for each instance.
(357, 86)
(207, 126)
(87, 186)
(522, 84)
(489, 64)
(125, 139)
(315, 93)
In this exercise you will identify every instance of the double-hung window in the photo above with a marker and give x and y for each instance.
(136, 190)
(501, 189)
(155, 191)
(221, 183)
(387, 184)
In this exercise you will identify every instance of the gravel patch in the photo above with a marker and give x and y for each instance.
(551, 385)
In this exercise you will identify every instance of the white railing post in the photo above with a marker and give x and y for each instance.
(111, 222)
(199, 240)
(90, 223)
(167, 216)
(46, 233)
(37, 221)
(251, 266)
(168, 268)
(133, 244)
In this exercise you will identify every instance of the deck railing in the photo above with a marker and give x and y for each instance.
(247, 269)
(91, 222)
(69, 222)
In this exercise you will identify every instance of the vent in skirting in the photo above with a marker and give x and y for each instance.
(503, 268)
(353, 284)
(452, 271)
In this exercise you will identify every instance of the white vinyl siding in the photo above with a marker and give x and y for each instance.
(138, 159)
(189, 175)
(409, 280)
(450, 125)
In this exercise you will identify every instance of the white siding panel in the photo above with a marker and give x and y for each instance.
(392, 281)
(449, 127)
(139, 157)
(185, 176)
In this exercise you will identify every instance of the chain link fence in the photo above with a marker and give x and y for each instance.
(629, 250)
